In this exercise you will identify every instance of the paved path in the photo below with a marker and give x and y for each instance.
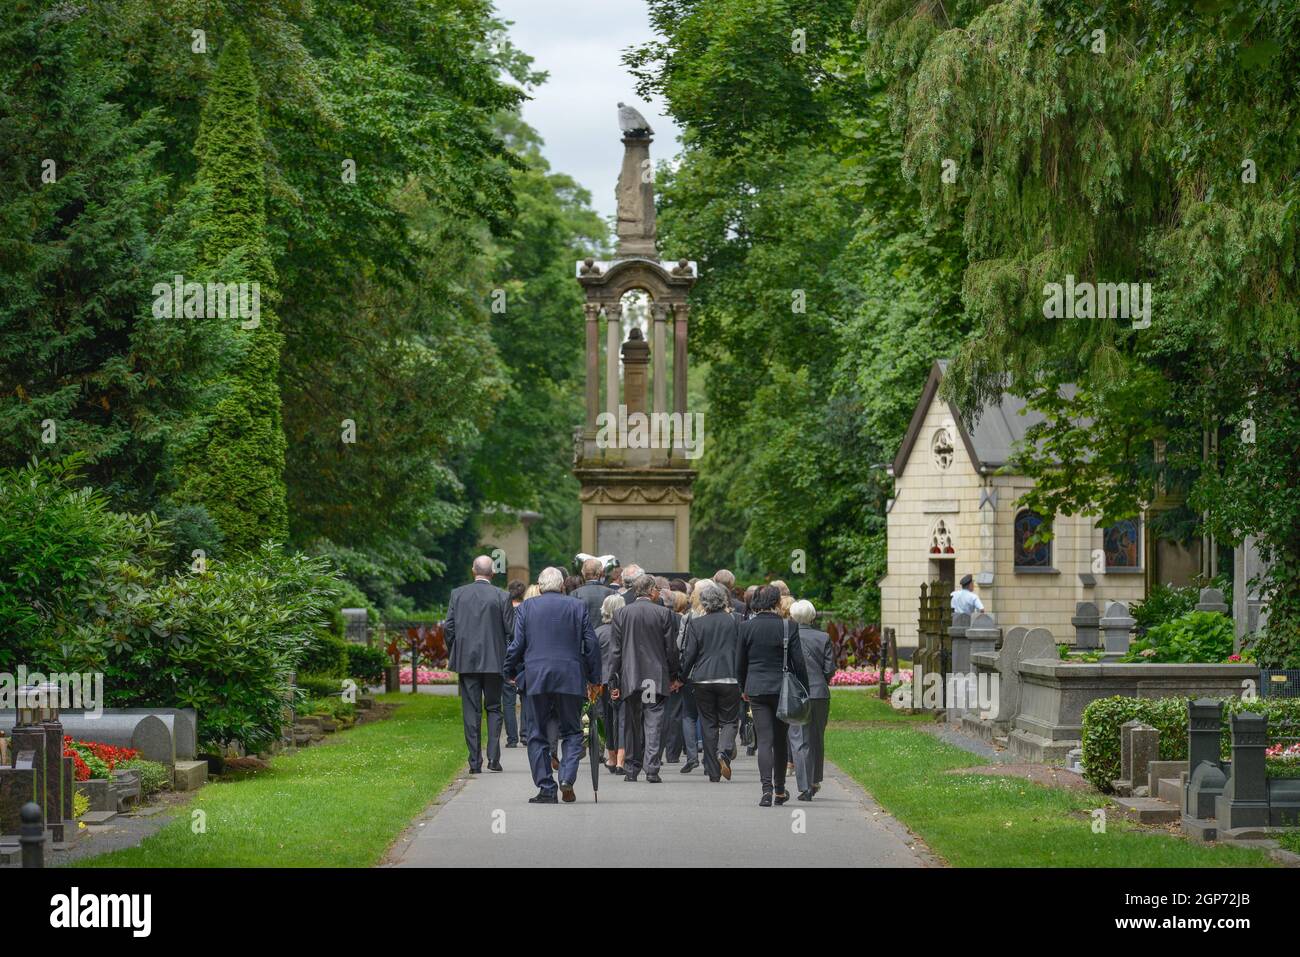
(685, 821)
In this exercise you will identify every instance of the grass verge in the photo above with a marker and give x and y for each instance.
(993, 821)
(337, 804)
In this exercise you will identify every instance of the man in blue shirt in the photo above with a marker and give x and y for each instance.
(964, 599)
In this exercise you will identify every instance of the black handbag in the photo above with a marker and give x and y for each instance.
(793, 707)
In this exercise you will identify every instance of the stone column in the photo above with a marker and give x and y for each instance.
(593, 364)
(680, 328)
(1205, 780)
(1115, 628)
(636, 200)
(613, 339)
(658, 353)
(1244, 801)
(636, 358)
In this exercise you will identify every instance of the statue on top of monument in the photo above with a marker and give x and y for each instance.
(631, 122)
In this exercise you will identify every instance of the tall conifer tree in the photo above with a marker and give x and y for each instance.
(237, 471)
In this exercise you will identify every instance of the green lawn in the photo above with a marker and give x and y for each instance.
(337, 804)
(988, 821)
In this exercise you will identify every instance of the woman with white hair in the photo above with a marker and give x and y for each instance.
(611, 709)
(819, 657)
(709, 663)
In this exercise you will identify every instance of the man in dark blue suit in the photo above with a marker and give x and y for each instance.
(556, 650)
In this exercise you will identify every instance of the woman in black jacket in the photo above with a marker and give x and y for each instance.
(709, 648)
(759, 666)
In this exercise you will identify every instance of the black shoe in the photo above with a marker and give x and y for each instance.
(544, 797)
(714, 780)
(782, 797)
(750, 751)
(512, 744)
(806, 795)
(688, 767)
(618, 769)
(629, 776)
(566, 792)
(495, 766)
(672, 760)
(765, 800)
(475, 770)
(724, 763)
(653, 779)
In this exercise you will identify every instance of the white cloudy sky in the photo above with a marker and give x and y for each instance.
(580, 44)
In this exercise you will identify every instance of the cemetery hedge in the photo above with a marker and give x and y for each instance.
(1103, 718)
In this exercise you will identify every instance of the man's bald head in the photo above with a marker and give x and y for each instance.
(483, 567)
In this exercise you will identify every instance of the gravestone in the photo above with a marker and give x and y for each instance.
(149, 733)
(1212, 600)
(17, 787)
(1116, 625)
(983, 633)
(356, 625)
(1244, 801)
(1139, 745)
(1206, 777)
(960, 643)
(1008, 677)
(1087, 632)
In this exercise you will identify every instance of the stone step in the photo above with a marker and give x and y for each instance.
(1148, 810)
(1171, 790)
(97, 817)
(189, 775)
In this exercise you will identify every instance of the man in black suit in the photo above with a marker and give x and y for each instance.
(593, 591)
(727, 580)
(644, 669)
(480, 621)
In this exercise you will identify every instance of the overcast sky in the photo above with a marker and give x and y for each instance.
(580, 44)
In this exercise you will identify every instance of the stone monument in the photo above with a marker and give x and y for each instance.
(634, 457)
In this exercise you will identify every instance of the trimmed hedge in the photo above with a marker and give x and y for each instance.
(326, 655)
(319, 686)
(1103, 718)
(367, 664)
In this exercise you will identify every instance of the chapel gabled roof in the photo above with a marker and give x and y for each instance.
(989, 442)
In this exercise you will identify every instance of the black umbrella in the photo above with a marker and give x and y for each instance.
(593, 745)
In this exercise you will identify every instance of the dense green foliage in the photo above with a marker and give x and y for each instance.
(87, 589)
(1103, 718)
(823, 298)
(1196, 637)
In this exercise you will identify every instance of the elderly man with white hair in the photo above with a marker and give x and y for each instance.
(480, 620)
(556, 649)
(810, 739)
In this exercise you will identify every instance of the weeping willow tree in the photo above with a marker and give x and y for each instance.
(1110, 142)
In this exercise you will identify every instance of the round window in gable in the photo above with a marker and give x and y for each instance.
(941, 448)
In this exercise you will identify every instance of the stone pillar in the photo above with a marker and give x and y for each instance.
(1086, 625)
(593, 363)
(53, 804)
(960, 643)
(613, 338)
(17, 787)
(1205, 778)
(658, 354)
(680, 330)
(636, 200)
(636, 359)
(1244, 801)
(1115, 628)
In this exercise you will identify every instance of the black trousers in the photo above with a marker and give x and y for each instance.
(719, 707)
(477, 693)
(671, 731)
(773, 741)
(612, 711)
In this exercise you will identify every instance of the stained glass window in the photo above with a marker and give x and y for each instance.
(1122, 543)
(1030, 556)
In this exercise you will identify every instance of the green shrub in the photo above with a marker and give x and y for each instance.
(154, 777)
(319, 686)
(1103, 718)
(1196, 637)
(325, 655)
(1168, 602)
(367, 664)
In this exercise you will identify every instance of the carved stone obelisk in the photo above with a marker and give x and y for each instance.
(634, 460)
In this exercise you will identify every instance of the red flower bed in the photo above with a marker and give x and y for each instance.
(88, 756)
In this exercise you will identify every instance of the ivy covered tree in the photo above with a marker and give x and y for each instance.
(236, 470)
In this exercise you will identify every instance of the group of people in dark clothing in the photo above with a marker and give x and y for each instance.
(685, 667)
